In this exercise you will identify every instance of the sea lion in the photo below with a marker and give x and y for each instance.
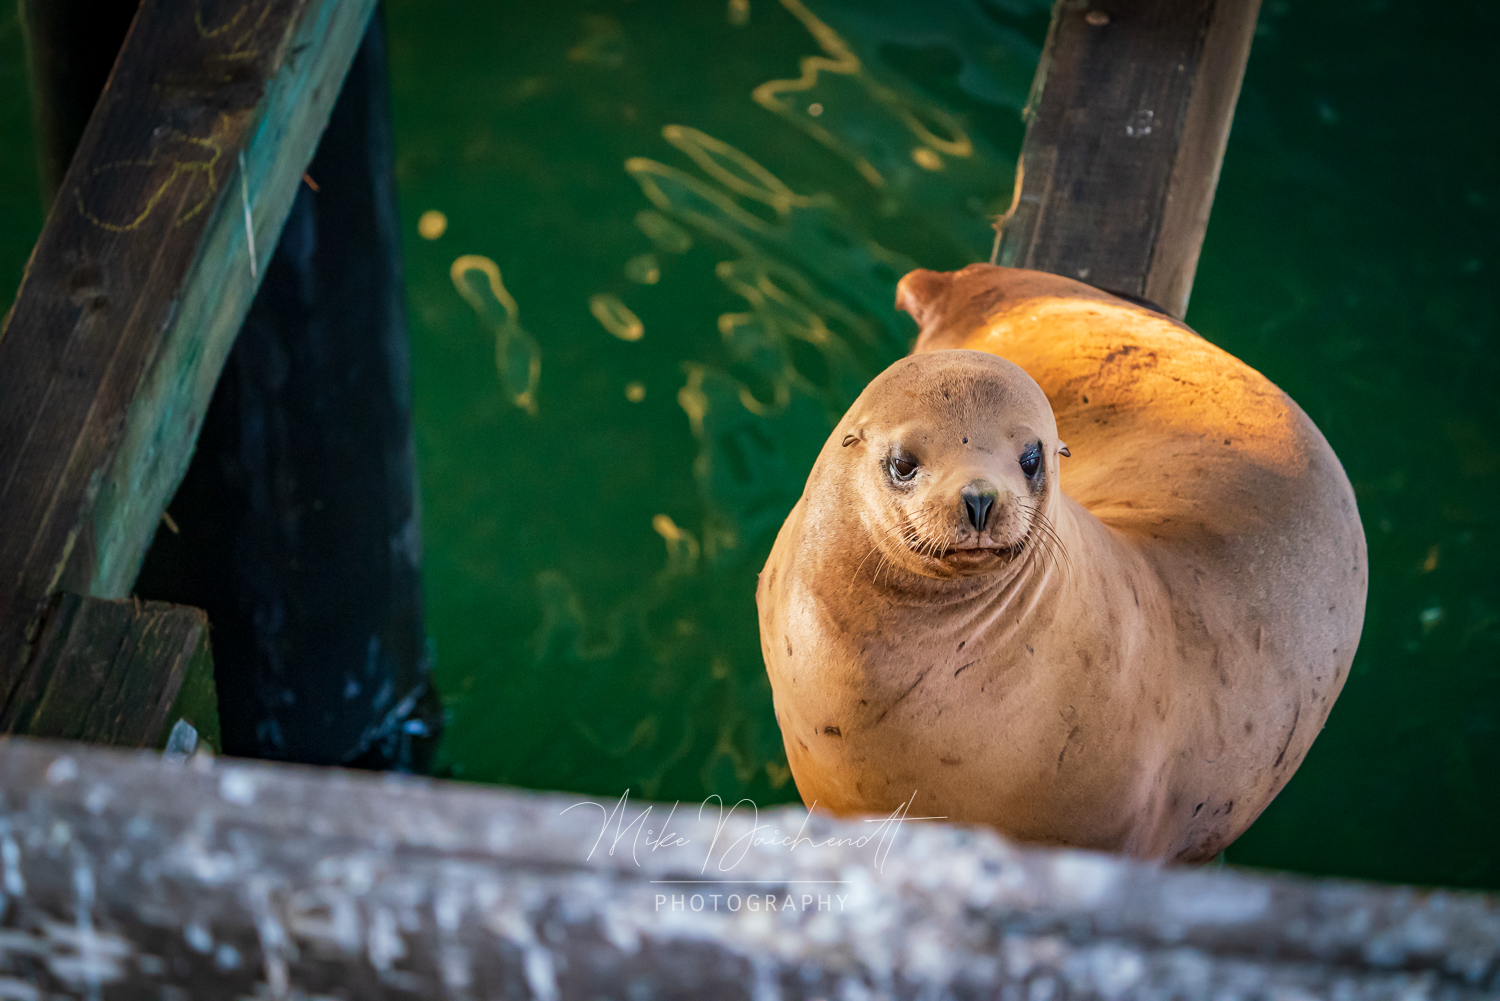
(1133, 655)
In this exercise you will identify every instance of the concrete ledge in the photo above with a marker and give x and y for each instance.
(126, 875)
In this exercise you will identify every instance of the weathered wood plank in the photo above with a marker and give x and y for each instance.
(116, 672)
(298, 516)
(252, 880)
(1126, 128)
(304, 471)
(142, 277)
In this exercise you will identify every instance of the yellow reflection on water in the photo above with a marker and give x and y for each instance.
(799, 261)
(926, 158)
(616, 317)
(663, 232)
(643, 269)
(692, 399)
(432, 224)
(734, 169)
(603, 43)
(809, 323)
(682, 548)
(935, 128)
(517, 357)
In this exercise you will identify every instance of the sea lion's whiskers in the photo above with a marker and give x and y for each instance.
(1048, 539)
(1039, 538)
(908, 534)
(903, 528)
(934, 545)
(1044, 549)
(885, 559)
(874, 548)
(1055, 547)
(1048, 544)
(921, 521)
(1038, 551)
(943, 545)
(879, 564)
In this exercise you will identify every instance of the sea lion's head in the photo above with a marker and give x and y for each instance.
(948, 462)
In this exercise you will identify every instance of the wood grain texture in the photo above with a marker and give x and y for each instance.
(376, 887)
(1126, 127)
(296, 525)
(142, 276)
(116, 672)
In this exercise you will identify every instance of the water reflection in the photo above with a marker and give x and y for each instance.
(769, 304)
(616, 317)
(517, 357)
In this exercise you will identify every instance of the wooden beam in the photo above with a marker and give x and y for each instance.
(142, 277)
(298, 516)
(128, 878)
(1126, 127)
(123, 673)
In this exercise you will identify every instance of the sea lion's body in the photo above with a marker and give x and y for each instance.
(1150, 667)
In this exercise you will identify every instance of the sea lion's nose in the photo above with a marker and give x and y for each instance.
(977, 498)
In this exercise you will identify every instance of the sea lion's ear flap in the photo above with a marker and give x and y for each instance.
(921, 293)
(1062, 450)
(850, 439)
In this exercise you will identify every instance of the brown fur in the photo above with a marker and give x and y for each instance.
(1147, 664)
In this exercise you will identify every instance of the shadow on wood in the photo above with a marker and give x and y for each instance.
(70, 47)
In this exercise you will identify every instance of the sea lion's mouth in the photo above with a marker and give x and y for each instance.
(974, 554)
(977, 555)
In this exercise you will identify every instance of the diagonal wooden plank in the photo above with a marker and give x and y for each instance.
(1125, 133)
(141, 278)
(295, 527)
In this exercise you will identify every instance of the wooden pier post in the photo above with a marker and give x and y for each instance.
(297, 521)
(142, 276)
(297, 516)
(123, 673)
(1125, 133)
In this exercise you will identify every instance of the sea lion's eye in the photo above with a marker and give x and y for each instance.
(902, 468)
(1031, 461)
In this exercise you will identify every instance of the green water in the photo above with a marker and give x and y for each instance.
(670, 253)
(666, 228)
